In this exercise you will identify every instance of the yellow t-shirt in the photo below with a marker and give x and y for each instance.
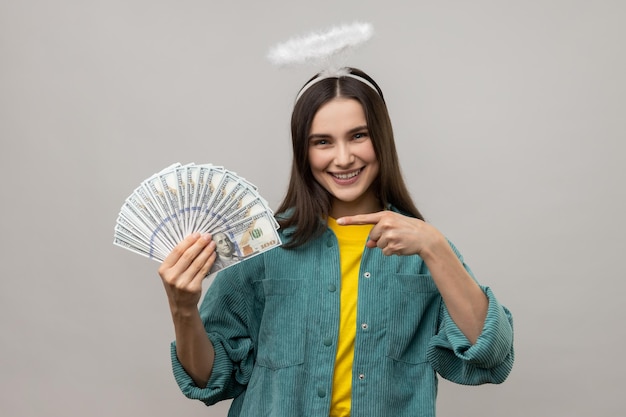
(352, 241)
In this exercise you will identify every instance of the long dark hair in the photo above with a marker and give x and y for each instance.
(307, 203)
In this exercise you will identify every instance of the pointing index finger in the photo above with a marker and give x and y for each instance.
(370, 218)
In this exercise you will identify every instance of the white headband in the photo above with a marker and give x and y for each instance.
(341, 72)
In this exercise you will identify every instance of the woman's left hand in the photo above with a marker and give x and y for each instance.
(396, 234)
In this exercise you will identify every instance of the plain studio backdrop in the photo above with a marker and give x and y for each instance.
(510, 123)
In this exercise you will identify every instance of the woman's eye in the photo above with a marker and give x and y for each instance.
(319, 142)
(360, 135)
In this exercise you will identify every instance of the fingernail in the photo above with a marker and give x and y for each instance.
(341, 221)
(206, 236)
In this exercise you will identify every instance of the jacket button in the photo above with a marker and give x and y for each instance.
(367, 275)
(332, 288)
(321, 392)
(328, 341)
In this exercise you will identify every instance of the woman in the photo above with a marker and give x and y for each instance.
(283, 333)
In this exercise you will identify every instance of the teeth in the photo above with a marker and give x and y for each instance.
(347, 176)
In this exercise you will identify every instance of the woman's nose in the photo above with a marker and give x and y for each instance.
(344, 155)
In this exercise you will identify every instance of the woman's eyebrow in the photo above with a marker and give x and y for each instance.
(326, 135)
(358, 129)
(319, 136)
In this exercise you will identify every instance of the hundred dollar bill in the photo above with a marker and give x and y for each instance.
(230, 191)
(236, 192)
(209, 177)
(252, 208)
(191, 174)
(245, 239)
(169, 191)
(162, 202)
(155, 237)
(150, 215)
(220, 182)
(130, 225)
(125, 238)
(131, 231)
(180, 190)
(119, 241)
(246, 203)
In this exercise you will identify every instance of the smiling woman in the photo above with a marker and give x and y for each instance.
(364, 304)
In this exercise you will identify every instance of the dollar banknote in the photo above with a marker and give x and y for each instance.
(182, 199)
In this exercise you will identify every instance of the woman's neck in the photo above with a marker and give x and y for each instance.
(366, 204)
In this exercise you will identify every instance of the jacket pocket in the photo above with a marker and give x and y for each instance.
(281, 337)
(413, 315)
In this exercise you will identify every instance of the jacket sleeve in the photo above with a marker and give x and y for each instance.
(489, 360)
(225, 313)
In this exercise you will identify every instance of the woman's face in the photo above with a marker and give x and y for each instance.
(342, 157)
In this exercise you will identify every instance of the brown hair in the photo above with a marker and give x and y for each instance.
(307, 203)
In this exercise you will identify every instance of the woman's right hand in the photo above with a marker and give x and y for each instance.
(182, 273)
(184, 269)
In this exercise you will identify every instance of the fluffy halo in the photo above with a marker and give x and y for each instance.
(320, 46)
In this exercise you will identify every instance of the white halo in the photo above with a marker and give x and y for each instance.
(320, 46)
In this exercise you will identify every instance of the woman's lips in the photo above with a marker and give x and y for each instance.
(347, 178)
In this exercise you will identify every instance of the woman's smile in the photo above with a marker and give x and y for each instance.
(346, 178)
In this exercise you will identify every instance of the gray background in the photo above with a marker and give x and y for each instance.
(509, 119)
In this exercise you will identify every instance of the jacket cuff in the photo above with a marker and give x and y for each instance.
(490, 359)
(213, 392)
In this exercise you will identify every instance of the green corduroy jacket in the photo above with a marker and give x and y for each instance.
(274, 322)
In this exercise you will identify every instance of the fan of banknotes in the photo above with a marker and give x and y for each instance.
(182, 199)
